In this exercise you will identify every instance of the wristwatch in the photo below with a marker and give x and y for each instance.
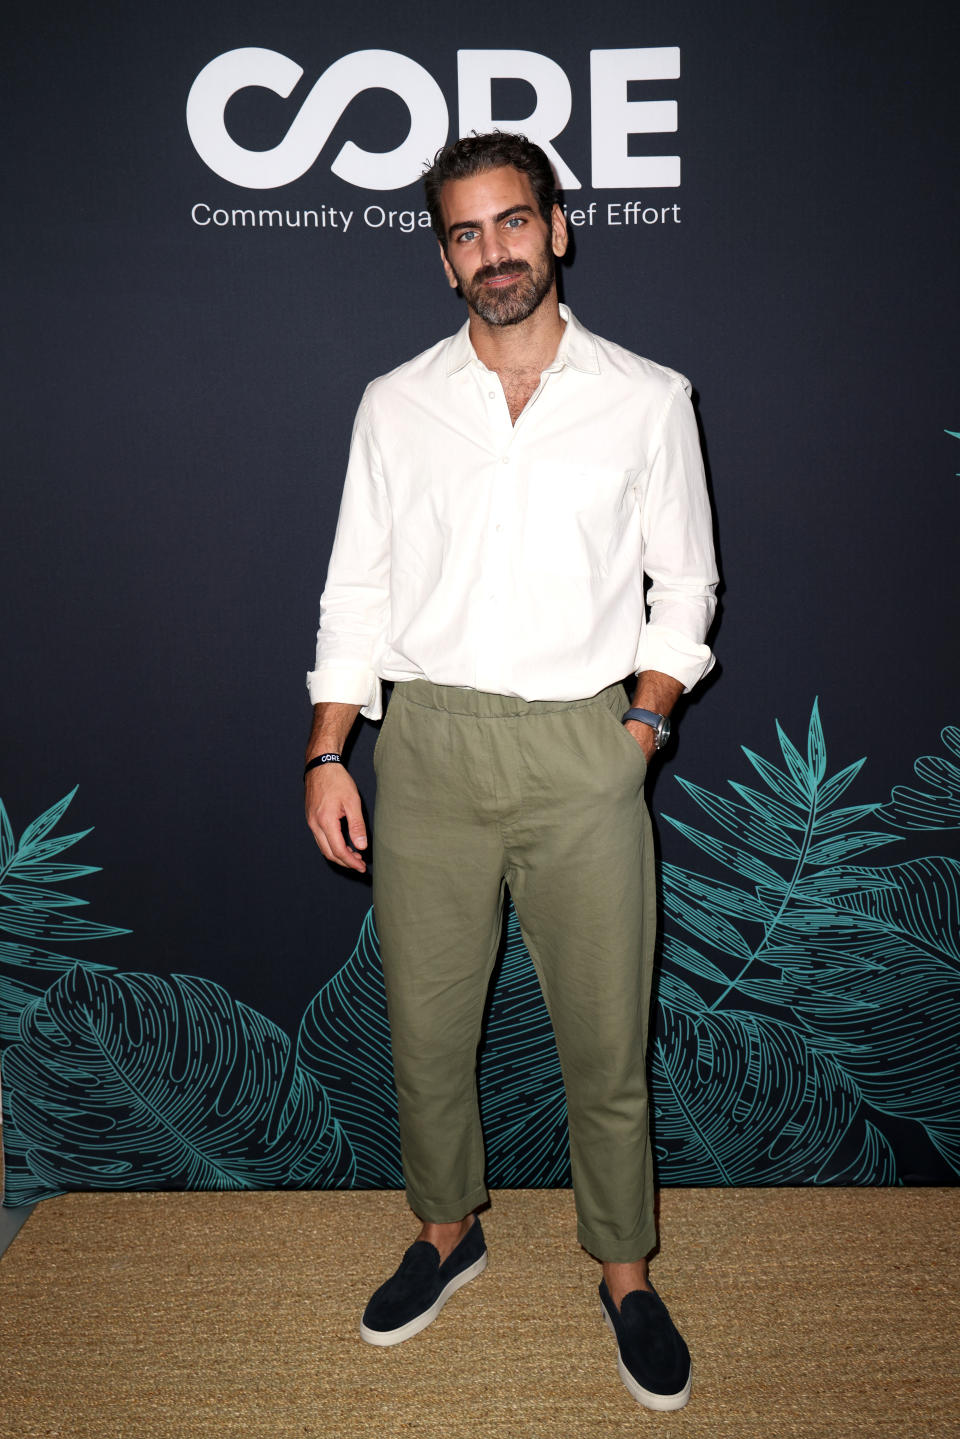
(658, 723)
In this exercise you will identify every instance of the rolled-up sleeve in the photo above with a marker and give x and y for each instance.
(678, 548)
(355, 605)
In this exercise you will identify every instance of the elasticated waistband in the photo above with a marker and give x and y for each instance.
(483, 705)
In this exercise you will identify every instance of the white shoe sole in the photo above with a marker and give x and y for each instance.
(383, 1338)
(662, 1403)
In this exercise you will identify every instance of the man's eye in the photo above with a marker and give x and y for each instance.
(515, 221)
(465, 236)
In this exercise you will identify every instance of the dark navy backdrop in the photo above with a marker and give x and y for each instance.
(179, 399)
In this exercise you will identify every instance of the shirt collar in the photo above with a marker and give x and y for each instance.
(577, 348)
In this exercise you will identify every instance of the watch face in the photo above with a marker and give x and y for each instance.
(662, 732)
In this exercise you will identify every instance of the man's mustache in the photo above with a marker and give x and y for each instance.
(493, 272)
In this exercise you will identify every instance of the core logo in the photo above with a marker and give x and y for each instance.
(613, 116)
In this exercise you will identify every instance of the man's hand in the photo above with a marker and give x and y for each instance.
(332, 796)
(657, 692)
(643, 735)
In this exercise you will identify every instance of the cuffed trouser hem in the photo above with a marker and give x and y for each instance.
(618, 1251)
(433, 1213)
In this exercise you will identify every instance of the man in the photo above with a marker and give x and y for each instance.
(506, 493)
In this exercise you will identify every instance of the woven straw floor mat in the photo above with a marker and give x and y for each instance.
(168, 1316)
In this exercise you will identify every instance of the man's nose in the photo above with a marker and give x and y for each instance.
(492, 247)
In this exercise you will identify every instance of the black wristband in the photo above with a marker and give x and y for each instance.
(322, 759)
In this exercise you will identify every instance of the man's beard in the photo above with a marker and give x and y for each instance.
(513, 303)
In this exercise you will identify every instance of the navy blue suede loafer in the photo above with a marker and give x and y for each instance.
(652, 1359)
(413, 1297)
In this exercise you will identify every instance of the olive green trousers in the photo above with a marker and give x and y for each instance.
(476, 792)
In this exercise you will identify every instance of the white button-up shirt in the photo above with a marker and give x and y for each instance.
(471, 551)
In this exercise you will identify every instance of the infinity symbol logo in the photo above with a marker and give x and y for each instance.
(316, 118)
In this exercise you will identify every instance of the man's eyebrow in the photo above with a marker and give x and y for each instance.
(503, 215)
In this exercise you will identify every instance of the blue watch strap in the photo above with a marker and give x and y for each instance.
(645, 717)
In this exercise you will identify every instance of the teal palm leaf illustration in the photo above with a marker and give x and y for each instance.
(32, 912)
(809, 1003)
(956, 436)
(134, 1081)
(834, 974)
(788, 854)
(895, 1020)
(35, 924)
(345, 1043)
(938, 805)
(740, 1098)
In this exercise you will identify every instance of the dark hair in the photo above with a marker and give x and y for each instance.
(474, 154)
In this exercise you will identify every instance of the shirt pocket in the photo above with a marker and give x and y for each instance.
(573, 516)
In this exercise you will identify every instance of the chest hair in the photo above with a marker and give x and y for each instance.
(518, 387)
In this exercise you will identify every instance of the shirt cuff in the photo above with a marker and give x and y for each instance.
(347, 687)
(673, 653)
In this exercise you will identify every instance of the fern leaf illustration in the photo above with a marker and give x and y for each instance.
(735, 857)
(44, 823)
(816, 745)
(811, 848)
(32, 911)
(780, 783)
(7, 842)
(771, 839)
(803, 772)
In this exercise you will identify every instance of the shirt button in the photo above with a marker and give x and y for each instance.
(493, 394)
(505, 460)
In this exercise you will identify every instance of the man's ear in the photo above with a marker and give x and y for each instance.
(558, 232)
(452, 280)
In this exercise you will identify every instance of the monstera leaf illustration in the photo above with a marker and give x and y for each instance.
(345, 1043)
(857, 964)
(134, 1081)
(741, 1098)
(893, 1021)
(937, 806)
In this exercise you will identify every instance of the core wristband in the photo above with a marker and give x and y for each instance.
(322, 759)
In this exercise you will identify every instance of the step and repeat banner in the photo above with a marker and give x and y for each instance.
(215, 236)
